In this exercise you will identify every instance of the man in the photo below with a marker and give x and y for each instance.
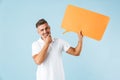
(47, 53)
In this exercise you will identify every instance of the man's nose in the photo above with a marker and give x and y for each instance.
(45, 31)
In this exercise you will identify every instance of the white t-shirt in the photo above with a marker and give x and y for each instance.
(52, 67)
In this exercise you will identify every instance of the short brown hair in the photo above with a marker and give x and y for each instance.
(40, 22)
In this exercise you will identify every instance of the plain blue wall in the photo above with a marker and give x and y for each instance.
(99, 60)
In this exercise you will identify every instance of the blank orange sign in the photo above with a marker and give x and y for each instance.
(91, 24)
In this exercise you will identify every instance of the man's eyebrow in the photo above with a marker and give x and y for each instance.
(41, 29)
(48, 26)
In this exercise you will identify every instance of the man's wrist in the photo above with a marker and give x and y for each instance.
(80, 39)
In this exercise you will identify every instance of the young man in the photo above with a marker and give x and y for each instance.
(47, 53)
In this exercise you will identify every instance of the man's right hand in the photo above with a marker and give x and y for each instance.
(48, 39)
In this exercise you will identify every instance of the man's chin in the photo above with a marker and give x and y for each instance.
(44, 37)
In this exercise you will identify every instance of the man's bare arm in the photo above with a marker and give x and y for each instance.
(41, 56)
(77, 50)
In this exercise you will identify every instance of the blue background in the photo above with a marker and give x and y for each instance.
(99, 60)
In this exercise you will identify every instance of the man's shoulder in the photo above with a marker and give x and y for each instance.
(35, 42)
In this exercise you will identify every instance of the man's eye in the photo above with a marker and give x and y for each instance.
(41, 30)
(47, 28)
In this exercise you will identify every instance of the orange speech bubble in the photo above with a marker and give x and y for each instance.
(91, 24)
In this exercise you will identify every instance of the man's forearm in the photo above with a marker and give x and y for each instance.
(75, 51)
(41, 56)
(78, 48)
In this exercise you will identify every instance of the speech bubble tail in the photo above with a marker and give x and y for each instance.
(65, 32)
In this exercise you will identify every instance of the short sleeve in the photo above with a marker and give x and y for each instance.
(35, 48)
(65, 45)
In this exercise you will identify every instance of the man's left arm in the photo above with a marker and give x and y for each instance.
(77, 50)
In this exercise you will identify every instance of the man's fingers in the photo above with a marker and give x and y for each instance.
(49, 35)
(81, 33)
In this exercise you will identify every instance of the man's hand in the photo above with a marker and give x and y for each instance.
(80, 35)
(48, 39)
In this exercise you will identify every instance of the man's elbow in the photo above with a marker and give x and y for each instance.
(38, 62)
(77, 54)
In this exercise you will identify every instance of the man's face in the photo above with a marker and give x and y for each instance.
(44, 30)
